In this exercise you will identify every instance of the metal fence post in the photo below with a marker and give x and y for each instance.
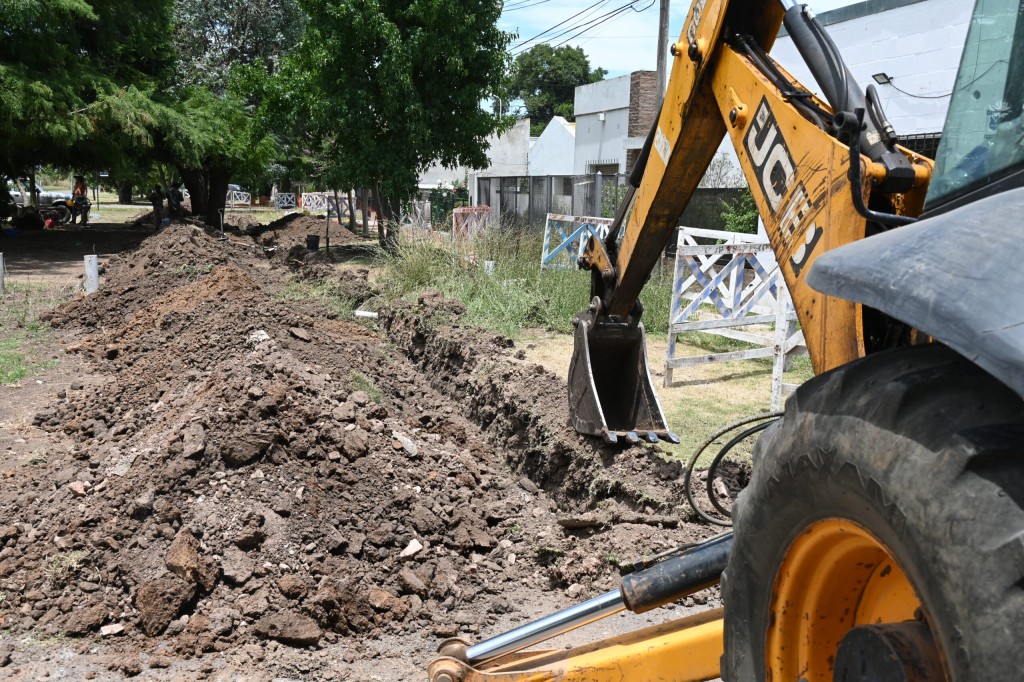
(1, 274)
(529, 201)
(598, 182)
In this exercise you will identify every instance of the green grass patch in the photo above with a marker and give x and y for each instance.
(360, 382)
(327, 293)
(13, 365)
(22, 331)
(117, 213)
(518, 294)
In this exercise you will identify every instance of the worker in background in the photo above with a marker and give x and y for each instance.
(80, 195)
(156, 197)
(174, 199)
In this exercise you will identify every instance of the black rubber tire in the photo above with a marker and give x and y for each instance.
(61, 213)
(923, 449)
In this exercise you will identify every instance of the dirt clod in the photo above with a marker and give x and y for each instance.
(290, 628)
(161, 600)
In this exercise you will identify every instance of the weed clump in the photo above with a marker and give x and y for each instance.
(64, 566)
(517, 294)
(360, 382)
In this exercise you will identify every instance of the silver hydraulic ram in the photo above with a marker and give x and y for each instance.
(663, 583)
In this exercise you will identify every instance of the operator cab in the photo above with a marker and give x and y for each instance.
(982, 147)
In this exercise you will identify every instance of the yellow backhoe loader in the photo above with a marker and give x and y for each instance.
(882, 534)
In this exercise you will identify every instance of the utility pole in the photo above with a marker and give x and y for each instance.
(662, 49)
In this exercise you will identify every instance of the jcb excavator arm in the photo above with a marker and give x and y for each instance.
(879, 537)
(814, 170)
(795, 151)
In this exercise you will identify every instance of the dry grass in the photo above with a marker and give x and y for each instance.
(701, 399)
(65, 566)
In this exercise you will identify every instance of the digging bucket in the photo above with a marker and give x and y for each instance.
(610, 391)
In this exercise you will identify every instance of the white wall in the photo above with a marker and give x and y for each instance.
(552, 153)
(508, 154)
(436, 174)
(918, 45)
(597, 140)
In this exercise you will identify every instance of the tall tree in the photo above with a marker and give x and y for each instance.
(77, 79)
(391, 86)
(546, 78)
(224, 49)
(213, 38)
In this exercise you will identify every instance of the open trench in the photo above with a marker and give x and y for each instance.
(253, 478)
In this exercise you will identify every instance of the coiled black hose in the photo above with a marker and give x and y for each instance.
(761, 421)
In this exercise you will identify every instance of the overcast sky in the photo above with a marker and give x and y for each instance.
(621, 43)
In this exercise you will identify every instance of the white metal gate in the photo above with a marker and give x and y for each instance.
(284, 201)
(719, 288)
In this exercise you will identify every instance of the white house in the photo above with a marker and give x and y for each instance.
(612, 119)
(508, 154)
(552, 153)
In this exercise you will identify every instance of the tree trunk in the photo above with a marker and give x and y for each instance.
(216, 196)
(195, 183)
(388, 210)
(124, 192)
(379, 209)
(351, 213)
(363, 194)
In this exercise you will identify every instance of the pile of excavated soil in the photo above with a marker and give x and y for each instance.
(254, 468)
(285, 237)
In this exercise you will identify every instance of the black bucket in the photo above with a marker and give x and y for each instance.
(610, 391)
(312, 243)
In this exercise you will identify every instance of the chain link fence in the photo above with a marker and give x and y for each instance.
(525, 201)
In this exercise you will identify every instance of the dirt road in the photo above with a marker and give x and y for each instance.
(222, 478)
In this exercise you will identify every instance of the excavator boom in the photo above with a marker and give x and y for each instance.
(879, 536)
(795, 151)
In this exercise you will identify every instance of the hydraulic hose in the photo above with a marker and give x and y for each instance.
(842, 92)
(713, 467)
(854, 122)
(878, 116)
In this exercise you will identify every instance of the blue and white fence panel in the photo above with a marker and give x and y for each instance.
(565, 238)
(720, 287)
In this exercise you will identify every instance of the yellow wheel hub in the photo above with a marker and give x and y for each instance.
(835, 576)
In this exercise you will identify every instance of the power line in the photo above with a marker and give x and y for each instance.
(524, 43)
(611, 16)
(523, 4)
(580, 27)
(570, 29)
